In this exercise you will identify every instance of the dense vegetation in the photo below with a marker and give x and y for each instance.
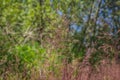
(39, 38)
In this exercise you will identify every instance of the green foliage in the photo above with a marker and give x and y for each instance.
(40, 34)
(30, 54)
(95, 58)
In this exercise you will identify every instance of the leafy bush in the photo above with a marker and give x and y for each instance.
(30, 54)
